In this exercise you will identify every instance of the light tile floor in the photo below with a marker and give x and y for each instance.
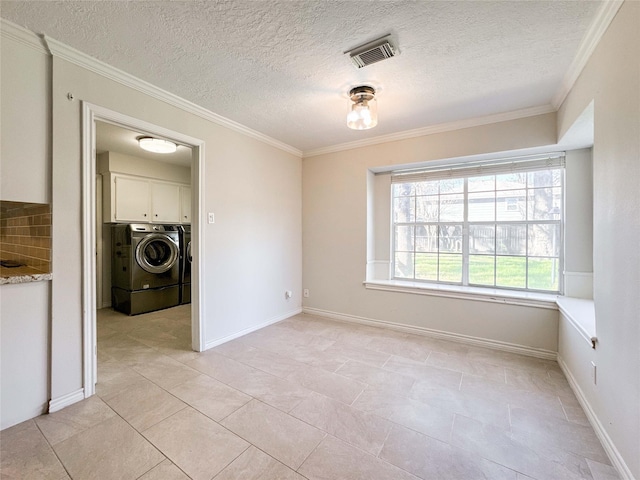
(307, 398)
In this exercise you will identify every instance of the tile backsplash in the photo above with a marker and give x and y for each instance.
(25, 234)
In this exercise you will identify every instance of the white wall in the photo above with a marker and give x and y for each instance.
(253, 251)
(611, 79)
(25, 176)
(143, 167)
(578, 227)
(335, 200)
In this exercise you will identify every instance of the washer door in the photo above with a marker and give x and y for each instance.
(156, 253)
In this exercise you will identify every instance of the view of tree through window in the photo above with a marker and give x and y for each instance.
(500, 230)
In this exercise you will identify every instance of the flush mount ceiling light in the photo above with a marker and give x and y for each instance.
(363, 108)
(156, 145)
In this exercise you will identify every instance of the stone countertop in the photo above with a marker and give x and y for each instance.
(23, 275)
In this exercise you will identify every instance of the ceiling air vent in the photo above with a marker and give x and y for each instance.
(372, 52)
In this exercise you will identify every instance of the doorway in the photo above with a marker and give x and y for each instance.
(96, 121)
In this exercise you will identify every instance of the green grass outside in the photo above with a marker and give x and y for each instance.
(511, 271)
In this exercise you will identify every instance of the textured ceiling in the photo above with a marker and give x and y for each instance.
(278, 66)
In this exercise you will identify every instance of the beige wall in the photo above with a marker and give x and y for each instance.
(335, 200)
(253, 251)
(612, 80)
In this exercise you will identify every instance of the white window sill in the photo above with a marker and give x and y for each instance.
(493, 295)
(581, 314)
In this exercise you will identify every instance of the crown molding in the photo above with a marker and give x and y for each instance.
(596, 30)
(433, 129)
(21, 35)
(65, 52)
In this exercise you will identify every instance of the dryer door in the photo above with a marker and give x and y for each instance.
(156, 253)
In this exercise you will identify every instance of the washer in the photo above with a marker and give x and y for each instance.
(145, 267)
(185, 264)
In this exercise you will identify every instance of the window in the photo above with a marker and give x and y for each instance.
(495, 225)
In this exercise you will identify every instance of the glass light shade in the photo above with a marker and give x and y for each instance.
(156, 145)
(363, 109)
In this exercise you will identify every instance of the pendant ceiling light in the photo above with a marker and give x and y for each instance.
(363, 108)
(156, 145)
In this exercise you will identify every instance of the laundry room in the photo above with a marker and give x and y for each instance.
(143, 221)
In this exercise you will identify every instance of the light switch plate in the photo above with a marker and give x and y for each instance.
(212, 218)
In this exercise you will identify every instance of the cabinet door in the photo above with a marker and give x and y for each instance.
(131, 200)
(185, 204)
(165, 202)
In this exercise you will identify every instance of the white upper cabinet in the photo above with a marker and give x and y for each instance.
(131, 200)
(185, 204)
(165, 202)
(128, 199)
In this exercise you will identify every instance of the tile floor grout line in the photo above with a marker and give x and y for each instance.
(233, 460)
(51, 446)
(161, 461)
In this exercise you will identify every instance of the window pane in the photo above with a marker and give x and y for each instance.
(511, 181)
(544, 240)
(451, 208)
(511, 239)
(404, 238)
(511, 272)
(513, 234)
(427, 266)
(481, 270)
(404, 209)
(545, 203)
(482, 184)
(451, 238)
(545, 178)
(427, 208)
(450, 268)
(452, 185)
(404, 265)
(427, 238)
(427, 188)
(403, 189)
(544, 273)
(511, 205)
(482, 207)
(482, 238)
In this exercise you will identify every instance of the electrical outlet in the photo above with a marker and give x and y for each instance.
(594, 373)
(212, 218)
(305, 293)
(288, 294)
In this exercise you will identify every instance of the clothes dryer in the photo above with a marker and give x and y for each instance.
(185, 264)
(145, 267)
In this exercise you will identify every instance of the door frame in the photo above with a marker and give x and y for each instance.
(90, 114)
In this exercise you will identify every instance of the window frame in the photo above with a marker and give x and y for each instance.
(466, 172)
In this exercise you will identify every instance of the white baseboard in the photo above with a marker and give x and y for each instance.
(59, 403)
(609, 447)
(428, 332)
(233, 336)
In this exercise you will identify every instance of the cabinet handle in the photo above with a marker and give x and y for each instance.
(144, 214)
(156, 214)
